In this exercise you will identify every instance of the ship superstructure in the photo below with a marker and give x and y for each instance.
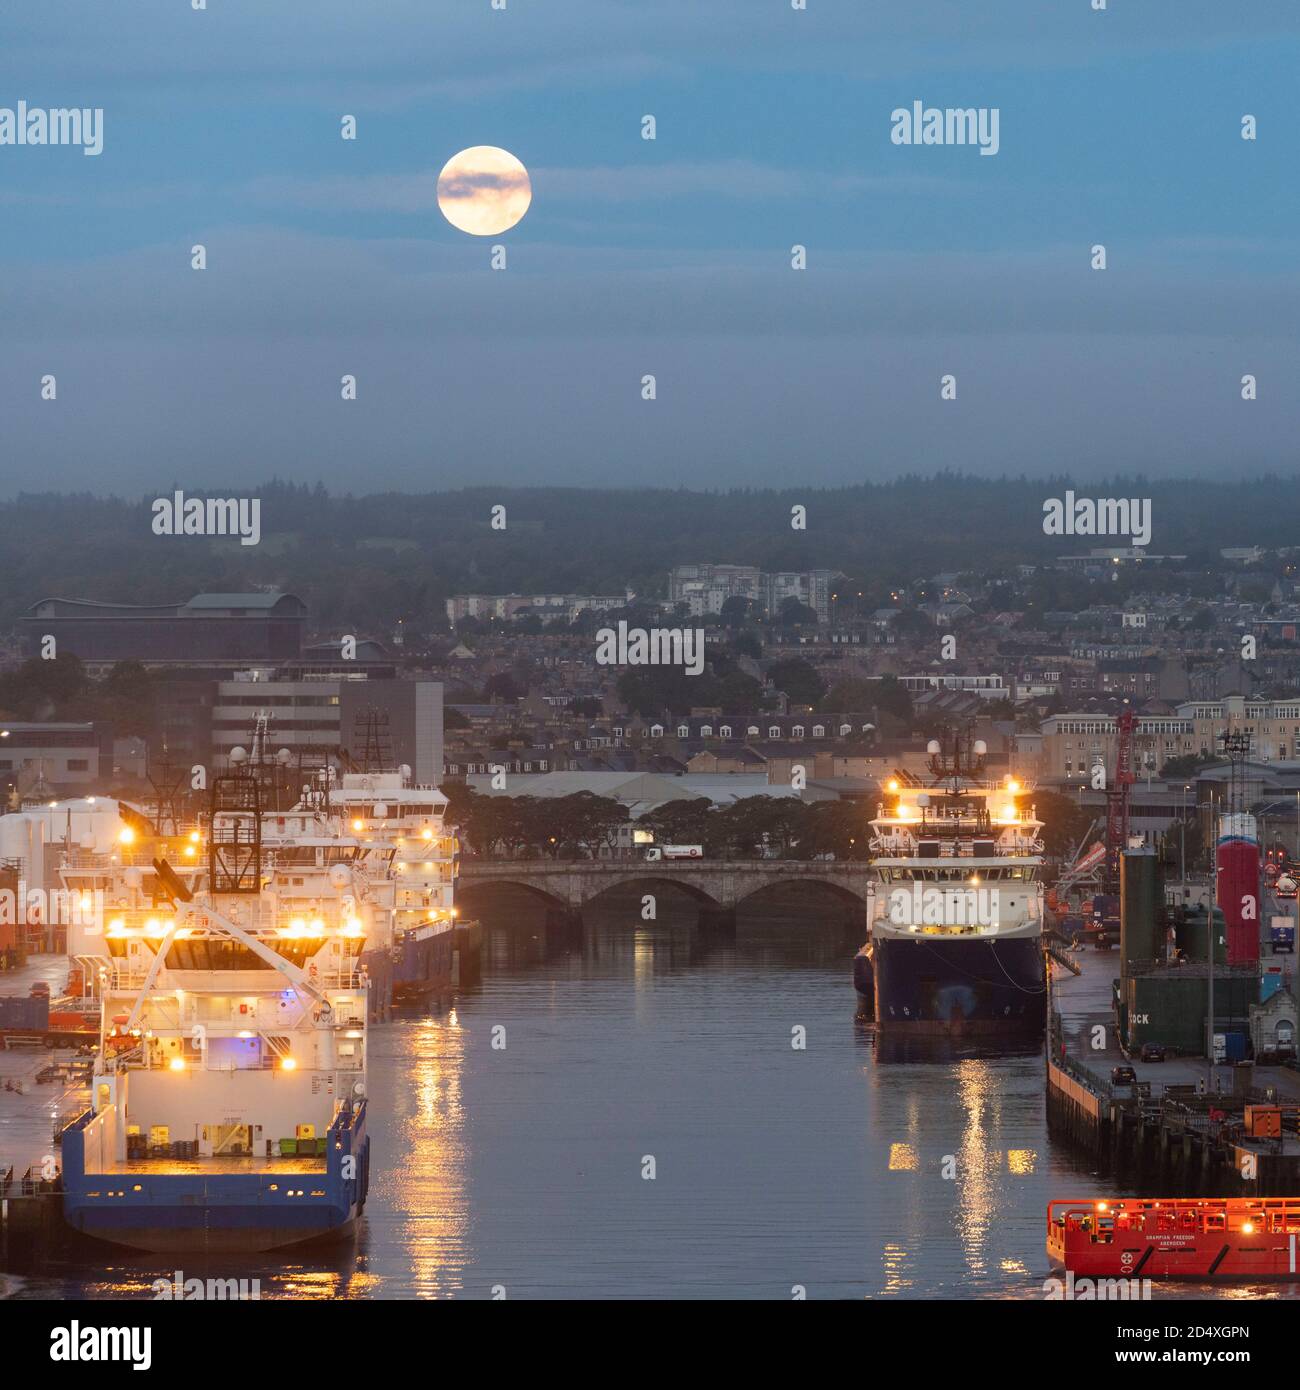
(403, 844)
(229, 1095)
(955, 908)
(411, 856)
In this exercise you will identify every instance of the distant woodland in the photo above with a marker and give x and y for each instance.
(366, 561)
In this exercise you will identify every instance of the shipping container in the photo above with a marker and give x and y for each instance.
(1234, 1047)
(24, 1012)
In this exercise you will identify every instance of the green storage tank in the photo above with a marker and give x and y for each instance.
(1141, 895)
(1194, 940)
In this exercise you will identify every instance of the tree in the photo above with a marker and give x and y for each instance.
(912, 623)
(502, 687)
(1186, 764)
(734, 611)
(799, 679)
(38, 688)
(795, 614)
(836, 830)
(747, 644)
(739, 692)
(585, 822)
(682, 822)
(852, 695)
(1064, 822)
(125, 697)
(649, 690)
(892, 697)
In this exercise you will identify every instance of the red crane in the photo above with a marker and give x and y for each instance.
(1117, 795)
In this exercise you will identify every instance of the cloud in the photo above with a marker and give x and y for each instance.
(417, 193)
(412, 49)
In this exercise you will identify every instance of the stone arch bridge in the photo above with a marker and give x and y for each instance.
(718, 885)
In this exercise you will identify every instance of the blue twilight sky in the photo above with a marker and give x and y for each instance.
(669, 257)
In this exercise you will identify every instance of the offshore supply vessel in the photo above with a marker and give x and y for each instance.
(955, 906)
(411, 856)
(1239, 1238)
(409, 853)
(228, 1099)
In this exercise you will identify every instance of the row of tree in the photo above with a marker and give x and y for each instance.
(583, 825)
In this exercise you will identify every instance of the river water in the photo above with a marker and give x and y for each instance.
(523, 1169)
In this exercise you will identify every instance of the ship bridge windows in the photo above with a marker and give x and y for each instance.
(1020, 873)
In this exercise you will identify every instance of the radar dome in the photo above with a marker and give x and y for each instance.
(381, 810)
(284, 757)
(133, 878)
(980, 748)
(923, 798)
(340, 876)
(933, 748)
(405, 770)
(238, 754)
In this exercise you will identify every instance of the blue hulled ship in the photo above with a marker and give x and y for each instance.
(955, 908)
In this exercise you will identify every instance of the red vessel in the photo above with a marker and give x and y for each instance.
(1239, 1238)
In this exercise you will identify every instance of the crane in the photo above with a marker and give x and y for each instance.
(1117, 799)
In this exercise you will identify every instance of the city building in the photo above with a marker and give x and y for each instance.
(311, 711)
(704, 589)
(208, 628)
(56, 758)
(546, 606)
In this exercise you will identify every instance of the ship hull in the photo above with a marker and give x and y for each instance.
(958, 988)
(422, 967)
(202, 1207)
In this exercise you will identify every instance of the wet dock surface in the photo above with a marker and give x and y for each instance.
(1084, 1004)
(30, 1109)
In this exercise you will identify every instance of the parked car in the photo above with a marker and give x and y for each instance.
(1122, 1076)
(1152, 1052)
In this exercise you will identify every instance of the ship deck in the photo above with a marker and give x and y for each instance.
(220, 1167)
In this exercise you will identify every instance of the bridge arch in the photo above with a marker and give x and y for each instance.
(839, 892)
(651, 883)
(475, 889)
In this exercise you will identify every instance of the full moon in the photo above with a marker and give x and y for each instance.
(484, 190)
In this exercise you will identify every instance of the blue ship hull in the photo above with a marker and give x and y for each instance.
(203, 1210)
(422, 967)
(972, 987)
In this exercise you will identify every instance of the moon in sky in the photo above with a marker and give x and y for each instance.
(484, 190)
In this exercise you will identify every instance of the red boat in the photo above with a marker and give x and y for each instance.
(1239, 1238)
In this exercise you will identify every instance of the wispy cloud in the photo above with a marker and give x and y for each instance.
(417, 193)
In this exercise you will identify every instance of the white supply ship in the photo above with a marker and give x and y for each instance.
(229, 1097)
(955, 910)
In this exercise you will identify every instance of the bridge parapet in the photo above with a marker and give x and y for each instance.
(718, 883)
